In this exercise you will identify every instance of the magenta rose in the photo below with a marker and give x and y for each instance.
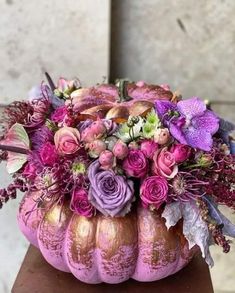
(48, 154)
(80, 204)
(59, 114)
(164, 163)
(148, 147)
(135, 164)
(67, 140)
(153, 192)
(181, 152)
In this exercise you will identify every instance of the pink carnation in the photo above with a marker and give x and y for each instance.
(48, 154)
(59, 114)
(181, 152)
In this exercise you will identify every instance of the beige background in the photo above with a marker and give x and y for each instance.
(63, 37)
(188, 44)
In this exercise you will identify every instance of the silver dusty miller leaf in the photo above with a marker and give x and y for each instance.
(172, 213)
(195, 229)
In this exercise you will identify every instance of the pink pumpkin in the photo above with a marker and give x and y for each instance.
(105, 249)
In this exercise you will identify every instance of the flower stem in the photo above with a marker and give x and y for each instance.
(14, 149)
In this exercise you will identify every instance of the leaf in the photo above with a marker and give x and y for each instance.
(172, 213)
(195, 230)
(226, 126)
(17, 137)
(215, 213)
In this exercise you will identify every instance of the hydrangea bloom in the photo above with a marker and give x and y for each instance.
(189, 122)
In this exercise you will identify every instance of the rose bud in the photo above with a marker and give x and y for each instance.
(204, 160)
(120, 150)
(96, 148)
(96, 130)
(106, 159)
(161, 136)
(181, 152)
(148, 147)
(133, 145)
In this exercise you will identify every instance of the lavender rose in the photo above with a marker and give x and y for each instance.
(111, 194)
(153, 192)
(135, 164)
(80, 204)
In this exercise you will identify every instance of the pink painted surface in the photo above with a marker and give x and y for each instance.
(103, 249)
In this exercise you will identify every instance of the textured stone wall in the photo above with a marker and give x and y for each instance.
(188, 44)
(68, 38)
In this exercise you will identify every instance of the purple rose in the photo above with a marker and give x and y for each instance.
(80, 204)
(181, 152)
(48, 154)
(135, 164)
(110, 193)
(59, 114)
(153, 192)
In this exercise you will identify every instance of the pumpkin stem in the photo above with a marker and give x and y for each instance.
(122, 90)
(14, 149)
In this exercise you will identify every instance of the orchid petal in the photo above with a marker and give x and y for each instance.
(208, 121)
(162, 107)
(191, 107)
(200, 139)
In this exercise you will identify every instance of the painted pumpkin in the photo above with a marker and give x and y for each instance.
(104, 249)
(119, 102)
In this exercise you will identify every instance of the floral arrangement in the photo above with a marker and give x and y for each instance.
(108, 148)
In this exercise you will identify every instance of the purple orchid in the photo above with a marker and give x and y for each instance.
(189, 122)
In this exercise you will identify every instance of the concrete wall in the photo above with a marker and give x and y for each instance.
(69, 38)
(188, 44)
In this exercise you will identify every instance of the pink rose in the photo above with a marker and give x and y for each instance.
(181, 152)
(135, 164)
(164, 163)
(120, 150)
(162, 136)
(106, 160)
(59, 114)
(96, 130)
(48, 154)
(80, 204)
(148, 147)
(67, 140)
(96, 148)
(153, 192)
